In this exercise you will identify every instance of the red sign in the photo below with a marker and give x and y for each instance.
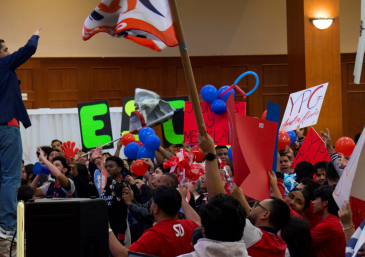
(253, 146)
(312, 150)
(216, 125)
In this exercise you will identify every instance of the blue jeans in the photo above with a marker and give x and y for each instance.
(11, 152)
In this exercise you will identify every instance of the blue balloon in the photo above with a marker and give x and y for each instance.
(226, 95)
(293, 137)
(230, 153)
(219, 106)
(209, 93)
(39, 169)
(144, 133)
(144, 152)
(152, 142)
(131, 150)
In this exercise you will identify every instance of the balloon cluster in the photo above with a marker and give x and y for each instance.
(148, 143)
(183, 166)
(218, 98)
(210, 94)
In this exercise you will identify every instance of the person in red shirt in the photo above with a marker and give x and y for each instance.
(170, 237)
(328, 236)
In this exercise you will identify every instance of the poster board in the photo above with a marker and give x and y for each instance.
(253, 142)
(312, 150)
(95, 124)
(216, 125)
(303, 108)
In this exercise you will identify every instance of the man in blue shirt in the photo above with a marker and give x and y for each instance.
(12, 110)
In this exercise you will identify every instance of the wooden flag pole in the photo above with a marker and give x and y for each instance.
(187, 66)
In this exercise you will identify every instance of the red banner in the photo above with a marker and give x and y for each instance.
(216, 125)
(312, 150)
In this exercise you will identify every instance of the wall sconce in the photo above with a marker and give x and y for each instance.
(322, 23)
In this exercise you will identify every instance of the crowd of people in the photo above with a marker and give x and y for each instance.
(156, 215)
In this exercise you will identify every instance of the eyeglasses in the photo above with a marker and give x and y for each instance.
(257, 204)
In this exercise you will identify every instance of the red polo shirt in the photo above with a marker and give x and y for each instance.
(167, 238)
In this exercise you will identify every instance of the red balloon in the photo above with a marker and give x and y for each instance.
(345, 145)
(263, 116)
(128, 138)
(140, 143)
(198, 153)
(283, 140)
(139, 167)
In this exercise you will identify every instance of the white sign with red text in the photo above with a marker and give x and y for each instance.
(303, 108)
(352, 180)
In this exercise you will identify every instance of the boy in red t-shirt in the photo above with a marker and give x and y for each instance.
(328, 236)
(170, 236)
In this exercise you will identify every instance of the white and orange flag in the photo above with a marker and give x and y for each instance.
(145, 22)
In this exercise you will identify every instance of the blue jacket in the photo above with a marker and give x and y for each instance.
(11, 103)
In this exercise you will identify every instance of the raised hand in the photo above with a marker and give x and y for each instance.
(36, 33)
(183, 191)
(327, 139)
(206, 142)
(41, 154)
(187, 147)
(299, 131)
(345, 214)
(130, 180)
(289, 152)
(96, 154)
(172, 148)
(68, 149)
(343, 162)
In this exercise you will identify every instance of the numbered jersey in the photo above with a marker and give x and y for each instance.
(167, 238)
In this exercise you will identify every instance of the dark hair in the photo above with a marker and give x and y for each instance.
(119, 163)
(357, 137)
(221, 147)
(46, 149)
(297, 236)
(168, 199)
(107, 153)
(23, 182)
(54, 150)
(319, 165)
(29, 171)
(303, 170)
(331, 173)
(63, 162)
(223, 218)
(306, 195)
(230, 164)
(279, 213)
(325, 193)
(55, 140)
(25, 193)
(283, 154)
(164, 171)
(22, 161)
(310, 186)
(197, 234)
(172, 180)
(1, 41)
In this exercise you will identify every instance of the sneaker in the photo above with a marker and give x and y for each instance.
(8, 235)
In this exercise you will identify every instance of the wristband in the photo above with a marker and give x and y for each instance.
(350, 227)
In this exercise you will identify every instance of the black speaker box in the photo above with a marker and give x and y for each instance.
(67, 227)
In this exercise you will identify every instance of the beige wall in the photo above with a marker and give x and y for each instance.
(239, 27)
